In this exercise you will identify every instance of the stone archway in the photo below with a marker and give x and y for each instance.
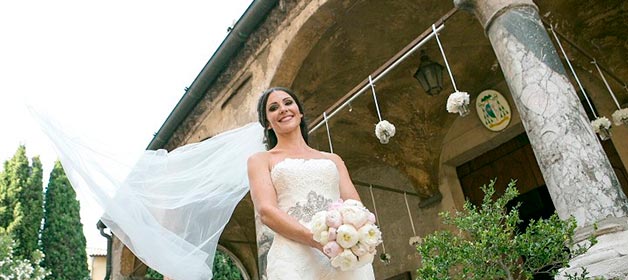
(467, 139)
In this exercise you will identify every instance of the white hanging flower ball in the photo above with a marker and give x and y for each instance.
(457, 101)
(415, 240)
(384, 130)
(599, 123)
(620, 116)
(385, 258)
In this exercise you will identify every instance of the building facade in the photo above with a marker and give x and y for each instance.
(529, 119)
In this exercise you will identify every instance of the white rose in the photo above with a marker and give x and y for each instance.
(370, 235)
(360, 249)
(364, 260)
(323, 238)
(354, 215)
(347, 236)
(318, 224)
(345, 260)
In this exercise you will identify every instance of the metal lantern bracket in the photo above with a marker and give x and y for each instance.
(410, 49)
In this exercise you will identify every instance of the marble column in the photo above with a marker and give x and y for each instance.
(577, 172)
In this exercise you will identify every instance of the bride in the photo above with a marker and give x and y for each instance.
(289, 183)
(170, 208)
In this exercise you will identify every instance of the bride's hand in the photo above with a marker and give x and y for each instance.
(316, 245)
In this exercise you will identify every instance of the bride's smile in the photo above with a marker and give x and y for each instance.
(282, 112)
(286, 118)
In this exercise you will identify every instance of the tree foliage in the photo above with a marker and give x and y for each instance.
(487, 244)
(224, 268)
(62, 239)
(22, 201)
(15, 268)
(14, 178)
(32, 201)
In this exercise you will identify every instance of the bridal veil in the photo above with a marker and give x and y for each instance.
(168, 208)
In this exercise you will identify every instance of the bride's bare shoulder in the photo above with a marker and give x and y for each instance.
(259, 158)
(331, 156)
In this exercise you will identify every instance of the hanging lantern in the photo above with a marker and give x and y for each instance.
(430, 75)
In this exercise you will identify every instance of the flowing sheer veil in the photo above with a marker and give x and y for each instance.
(168, 208)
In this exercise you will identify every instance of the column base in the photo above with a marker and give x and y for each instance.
(609, 257)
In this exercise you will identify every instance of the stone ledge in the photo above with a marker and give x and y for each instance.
(605, 226)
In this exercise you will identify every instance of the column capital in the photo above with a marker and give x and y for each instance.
(487, 10)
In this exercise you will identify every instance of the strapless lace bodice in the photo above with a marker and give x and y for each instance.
(305, 186)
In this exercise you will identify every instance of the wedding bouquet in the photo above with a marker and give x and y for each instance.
(348, 234)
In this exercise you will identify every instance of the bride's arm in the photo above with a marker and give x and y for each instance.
(265, 201)
(347, 189)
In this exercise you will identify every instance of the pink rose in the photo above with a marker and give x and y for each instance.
(371, 218)
(332, 234)
(353, 202)
(335, 205)
(332, 249)
(354, 215)
(334, 218)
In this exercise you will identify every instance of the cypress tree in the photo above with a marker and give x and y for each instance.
(33, 202)
(13, 179)
(18, 204)
(6, 212)
(62, 237)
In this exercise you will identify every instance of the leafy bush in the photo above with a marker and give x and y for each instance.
(12, 268)
(488, 245)
(224, 269)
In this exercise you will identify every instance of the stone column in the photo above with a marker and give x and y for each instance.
(577, 172)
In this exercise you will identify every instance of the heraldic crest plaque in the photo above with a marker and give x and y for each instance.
(493, 110)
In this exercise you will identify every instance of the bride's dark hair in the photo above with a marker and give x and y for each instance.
(270, 138)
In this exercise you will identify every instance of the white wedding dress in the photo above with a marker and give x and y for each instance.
(304, 187)
(158, 202)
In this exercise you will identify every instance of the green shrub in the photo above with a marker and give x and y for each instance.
(486, 243)
(14, 268)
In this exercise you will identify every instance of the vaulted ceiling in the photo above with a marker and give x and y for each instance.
(367, 33)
